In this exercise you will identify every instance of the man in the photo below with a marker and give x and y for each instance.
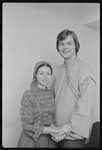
(74, 88)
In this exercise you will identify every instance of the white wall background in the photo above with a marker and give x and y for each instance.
(29, 35)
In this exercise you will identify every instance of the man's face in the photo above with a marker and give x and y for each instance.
(67, 48)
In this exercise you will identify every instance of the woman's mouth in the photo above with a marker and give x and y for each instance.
(44, 81)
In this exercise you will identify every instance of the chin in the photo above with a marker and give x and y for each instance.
(44, 84)
(66, 57)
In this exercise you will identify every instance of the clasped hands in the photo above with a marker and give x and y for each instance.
(58, 134)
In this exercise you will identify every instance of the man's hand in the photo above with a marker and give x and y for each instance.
(59, 136)
(61, 132)
(57, 130)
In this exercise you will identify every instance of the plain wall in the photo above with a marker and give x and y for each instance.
(91, 12)
(29, 35)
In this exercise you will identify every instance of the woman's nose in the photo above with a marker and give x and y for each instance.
(45, 76)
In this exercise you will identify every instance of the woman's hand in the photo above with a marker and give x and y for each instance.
(52, 125)
(51, 130)
(57, 129)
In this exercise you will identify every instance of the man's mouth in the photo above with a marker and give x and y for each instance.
(66, 52)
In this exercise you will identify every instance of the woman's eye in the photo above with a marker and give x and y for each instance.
(49, 74)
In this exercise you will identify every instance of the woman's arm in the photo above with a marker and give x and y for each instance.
(51, 129)
(27, 118)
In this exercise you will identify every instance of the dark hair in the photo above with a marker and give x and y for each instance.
(63, 35)
(42, 65)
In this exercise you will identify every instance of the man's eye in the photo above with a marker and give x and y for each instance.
(60, 44)
(70, 43)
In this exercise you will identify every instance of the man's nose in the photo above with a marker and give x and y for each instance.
(65, 46)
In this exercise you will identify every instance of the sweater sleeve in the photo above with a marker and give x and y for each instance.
(27, 119)
(81, 117)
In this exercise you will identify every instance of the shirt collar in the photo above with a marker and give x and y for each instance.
(34, 88)
(71, 63)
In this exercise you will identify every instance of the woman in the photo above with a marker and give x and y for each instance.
(37, 110)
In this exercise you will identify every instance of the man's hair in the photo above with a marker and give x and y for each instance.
(63, 35)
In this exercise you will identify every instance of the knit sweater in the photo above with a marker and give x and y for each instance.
(37, 111)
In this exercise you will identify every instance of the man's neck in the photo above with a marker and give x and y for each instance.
(70, 60)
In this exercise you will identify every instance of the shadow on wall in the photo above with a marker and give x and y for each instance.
(94, 141)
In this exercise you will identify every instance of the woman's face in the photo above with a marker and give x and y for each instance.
(43, 76)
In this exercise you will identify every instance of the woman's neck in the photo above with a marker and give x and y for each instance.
(41, 86)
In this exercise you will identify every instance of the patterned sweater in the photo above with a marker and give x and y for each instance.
(37, 111)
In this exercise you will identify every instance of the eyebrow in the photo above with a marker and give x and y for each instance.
(67, 42)
(43, 71)
(70, 42)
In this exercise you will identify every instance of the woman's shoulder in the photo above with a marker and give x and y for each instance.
(26, 93)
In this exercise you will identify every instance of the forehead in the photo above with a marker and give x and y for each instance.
(44, 69)
(68, 39)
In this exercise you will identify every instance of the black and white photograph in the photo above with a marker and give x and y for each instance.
(50, 75)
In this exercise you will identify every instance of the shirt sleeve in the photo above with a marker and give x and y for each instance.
(81, 118)
(27, 119)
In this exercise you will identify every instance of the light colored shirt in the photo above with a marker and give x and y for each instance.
(74, 97)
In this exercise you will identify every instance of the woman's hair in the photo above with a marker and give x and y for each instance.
(42, 65)
(63, 35)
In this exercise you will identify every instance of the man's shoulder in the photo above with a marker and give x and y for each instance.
(84, 71)
(83, 66)
(60, 66)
